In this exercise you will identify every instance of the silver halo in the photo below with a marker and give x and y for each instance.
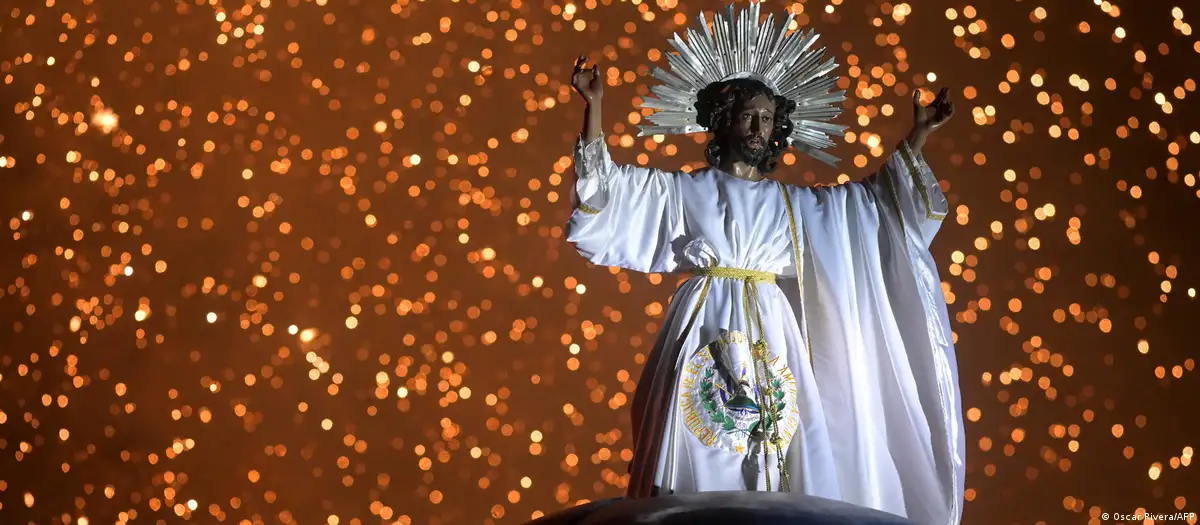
(738, 46)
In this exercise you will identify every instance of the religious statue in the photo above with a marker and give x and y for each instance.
(811, 350)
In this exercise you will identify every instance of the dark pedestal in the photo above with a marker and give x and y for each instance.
(712, 508)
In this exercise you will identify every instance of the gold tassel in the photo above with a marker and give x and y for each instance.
(785, 483)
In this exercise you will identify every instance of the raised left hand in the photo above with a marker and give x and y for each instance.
(930, 118)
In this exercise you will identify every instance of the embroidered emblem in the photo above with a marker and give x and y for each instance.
(727, 405)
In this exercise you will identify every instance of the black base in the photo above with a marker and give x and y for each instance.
(712, 508)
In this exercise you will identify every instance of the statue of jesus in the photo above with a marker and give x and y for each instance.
(810, 351)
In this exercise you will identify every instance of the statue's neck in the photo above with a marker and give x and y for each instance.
(740, 169)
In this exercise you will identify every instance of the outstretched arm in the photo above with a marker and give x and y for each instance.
(626, 216)
(904, 191)
(916, 199)
(916, 195)
(586, 80)
(593, 167)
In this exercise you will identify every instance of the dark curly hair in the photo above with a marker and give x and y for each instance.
(715, 107)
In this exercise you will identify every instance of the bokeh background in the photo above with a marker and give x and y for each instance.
(302, 261)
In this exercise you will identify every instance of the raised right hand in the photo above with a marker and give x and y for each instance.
(587, 81)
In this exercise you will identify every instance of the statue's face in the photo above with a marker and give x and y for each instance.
(751, 128)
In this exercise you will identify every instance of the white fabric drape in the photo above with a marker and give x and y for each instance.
(875, 420)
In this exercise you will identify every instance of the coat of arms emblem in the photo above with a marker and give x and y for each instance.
(732, 398)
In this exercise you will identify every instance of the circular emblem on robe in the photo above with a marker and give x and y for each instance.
(732, 398)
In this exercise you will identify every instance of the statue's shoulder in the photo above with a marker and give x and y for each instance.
(691, 173)
(811, 187)
(793, 187)
(795, 181)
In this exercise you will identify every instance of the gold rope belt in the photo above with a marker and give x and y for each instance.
(735, 273)
(750, 279)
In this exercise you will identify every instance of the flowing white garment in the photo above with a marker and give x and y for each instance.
(872, 416)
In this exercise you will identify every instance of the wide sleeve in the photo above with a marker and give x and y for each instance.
(916, 197)
(626, 216)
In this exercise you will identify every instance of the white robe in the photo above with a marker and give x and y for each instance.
(874, 413)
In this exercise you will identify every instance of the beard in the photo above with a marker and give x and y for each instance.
(752, 153)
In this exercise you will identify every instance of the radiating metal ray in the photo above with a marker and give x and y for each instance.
(740, 44)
